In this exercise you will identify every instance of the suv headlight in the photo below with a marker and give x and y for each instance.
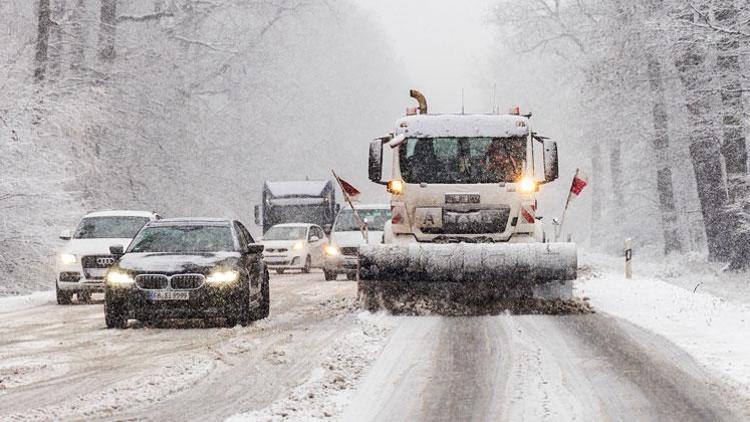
(120, 278)
(332, 250)
(223, 276)
(68, 258)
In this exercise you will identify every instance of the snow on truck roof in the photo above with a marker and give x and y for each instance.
(463, 125)
(301, 188)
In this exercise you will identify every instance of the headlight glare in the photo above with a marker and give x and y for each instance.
(119, 278)
(68, 258)
(527, 185)
(223, 276)
(332, 250)
(298, 246)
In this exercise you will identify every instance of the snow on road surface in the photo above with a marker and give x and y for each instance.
(645, 355)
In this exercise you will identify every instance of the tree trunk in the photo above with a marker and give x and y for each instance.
(107, 30)
(704, 143)
(78, 53)
(660, 144)
(56, 41)
(733, 148)
(42, 41)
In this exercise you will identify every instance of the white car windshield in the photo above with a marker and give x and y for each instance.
(376, 218)
(285, 233)
(115, 227)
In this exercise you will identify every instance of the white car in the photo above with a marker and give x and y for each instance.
(346, 238)
(294, 246)
(82, 262)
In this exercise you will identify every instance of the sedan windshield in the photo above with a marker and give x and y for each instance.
(109, 227)
(376, 219)
(462, 160)
(285, 233)
(196, 238)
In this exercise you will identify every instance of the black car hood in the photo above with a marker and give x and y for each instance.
(164, 262)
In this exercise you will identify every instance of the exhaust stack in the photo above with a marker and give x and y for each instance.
(420, 99)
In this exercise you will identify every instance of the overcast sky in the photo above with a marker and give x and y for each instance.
(444, 45)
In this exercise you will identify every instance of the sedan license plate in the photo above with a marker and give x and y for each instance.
(169, 295)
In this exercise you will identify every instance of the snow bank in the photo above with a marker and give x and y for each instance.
(15, 303)
(711, 329)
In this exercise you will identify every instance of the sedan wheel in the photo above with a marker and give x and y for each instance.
(308, 265)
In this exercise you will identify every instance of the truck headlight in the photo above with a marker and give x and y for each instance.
(223, 276)
(527, 185)
(120, 278)
(332, 250)
(298, 246)
(68, 258)
(395, 187)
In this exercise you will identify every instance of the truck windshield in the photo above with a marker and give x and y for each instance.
(462, 160)
(194, 238)
(115, 227)
(285, 233)
(376, 219)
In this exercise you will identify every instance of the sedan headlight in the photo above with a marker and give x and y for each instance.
(119, 278)
(298, 246)
(223, 276)
(68, 258)
(332, 250)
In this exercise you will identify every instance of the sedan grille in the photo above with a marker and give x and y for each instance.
(97, 261)
(152, 281)
(276, 250)
(186, 281)
(351, 251)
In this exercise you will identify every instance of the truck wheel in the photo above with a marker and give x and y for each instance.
(84, 297)
(114, 315)
(63, 297)
(329, 275)
(279, 271)
(308, 264)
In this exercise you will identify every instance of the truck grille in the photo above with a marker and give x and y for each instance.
(472, 222)
(186, 281)
(350, 250)
(152, 281)
(97, 261)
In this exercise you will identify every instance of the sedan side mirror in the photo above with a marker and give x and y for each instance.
(66, 235)
(314, 238)
(117, 250)
(255, 248)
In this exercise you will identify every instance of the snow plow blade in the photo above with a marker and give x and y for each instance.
(465, 278)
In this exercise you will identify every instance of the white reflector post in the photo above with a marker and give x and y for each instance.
(628, 258)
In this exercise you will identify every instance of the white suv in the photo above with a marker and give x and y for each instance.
(82, 262)
(346, 238)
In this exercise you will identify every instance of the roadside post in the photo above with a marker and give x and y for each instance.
(628, 258)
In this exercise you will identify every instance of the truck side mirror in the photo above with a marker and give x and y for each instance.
(257, 215)
(551, 170)
(375, 167)
(117, 250)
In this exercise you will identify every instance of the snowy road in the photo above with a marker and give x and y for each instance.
(317, 357)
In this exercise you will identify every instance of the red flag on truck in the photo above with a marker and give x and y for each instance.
(347, 188)
(580, 181)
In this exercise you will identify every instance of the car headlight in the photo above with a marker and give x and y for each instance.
(223, 276)
(68, 258)
(298, 246)
(119, 278)
(332, 250)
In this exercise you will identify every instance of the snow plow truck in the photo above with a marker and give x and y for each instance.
(464, 229)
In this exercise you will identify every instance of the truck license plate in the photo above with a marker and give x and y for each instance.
(169, 295)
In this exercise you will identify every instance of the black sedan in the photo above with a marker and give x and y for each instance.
(186, 268)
